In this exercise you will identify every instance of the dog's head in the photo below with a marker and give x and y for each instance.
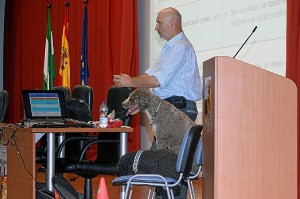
(137, 101)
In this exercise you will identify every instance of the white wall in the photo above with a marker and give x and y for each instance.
(219, 28)
(144, 51)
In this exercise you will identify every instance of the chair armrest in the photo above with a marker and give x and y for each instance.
(88, 145)
(62, 145)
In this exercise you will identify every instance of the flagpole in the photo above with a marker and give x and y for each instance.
(48, 82)
(49, 65)
(50, 172)
(84, 71)
(65, 66)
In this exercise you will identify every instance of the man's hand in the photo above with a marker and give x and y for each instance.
(122, 80)
(142, 81)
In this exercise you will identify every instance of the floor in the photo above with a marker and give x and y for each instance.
(113, 192)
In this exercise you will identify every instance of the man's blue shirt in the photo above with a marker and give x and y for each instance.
(177, 71)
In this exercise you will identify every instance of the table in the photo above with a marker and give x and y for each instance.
(21, 181)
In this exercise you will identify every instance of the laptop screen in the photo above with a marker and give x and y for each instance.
(44, 104)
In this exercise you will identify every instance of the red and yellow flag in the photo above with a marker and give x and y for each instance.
(64, 69)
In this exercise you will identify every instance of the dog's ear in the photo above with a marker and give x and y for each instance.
(141, 92)
(144, 98)
(139, 96)
(143, 89)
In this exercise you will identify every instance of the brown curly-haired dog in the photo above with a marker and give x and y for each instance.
(169, 126)
(168, 123)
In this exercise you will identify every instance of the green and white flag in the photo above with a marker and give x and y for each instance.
(49, 66)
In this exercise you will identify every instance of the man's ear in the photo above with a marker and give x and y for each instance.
(172, 23)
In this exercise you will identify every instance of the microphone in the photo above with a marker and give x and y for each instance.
(245, 42)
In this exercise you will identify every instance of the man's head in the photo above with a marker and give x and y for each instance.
(168, 23)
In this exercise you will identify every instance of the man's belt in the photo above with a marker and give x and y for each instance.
(178, 101)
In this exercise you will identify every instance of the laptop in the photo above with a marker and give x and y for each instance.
(47, 108)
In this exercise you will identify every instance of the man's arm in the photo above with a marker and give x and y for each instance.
(142, 81)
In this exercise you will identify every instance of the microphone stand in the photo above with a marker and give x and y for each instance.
(245, 42)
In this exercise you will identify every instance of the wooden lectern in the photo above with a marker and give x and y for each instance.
(250, 132)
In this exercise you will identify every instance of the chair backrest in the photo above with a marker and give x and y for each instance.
(84, 92)
(65, 89)
(44, 194)
(64, 189)
(78, 109)
(3, 105)
(198, 153)
(108, 151)
(115, 97)
(187, 150)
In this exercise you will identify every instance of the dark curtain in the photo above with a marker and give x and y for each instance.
(112, 48)
(293, 55)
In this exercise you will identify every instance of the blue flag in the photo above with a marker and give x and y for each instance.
(84, 70)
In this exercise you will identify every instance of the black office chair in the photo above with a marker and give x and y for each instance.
(79, 108)
(89, 169)
(196, 175)
(65, 89)
(41, 150)
(63, 188)
(60, 137)
(84, 92)
(183, 167)
(108, 149)
(3, 105)
(76, 108)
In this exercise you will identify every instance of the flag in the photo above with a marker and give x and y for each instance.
(49, 67)
(64, 69)
(84, 70)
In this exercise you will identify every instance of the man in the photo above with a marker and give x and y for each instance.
(175, 72)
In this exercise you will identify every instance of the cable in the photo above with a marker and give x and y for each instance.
(15, 146)
(13, 139)
(4, 132)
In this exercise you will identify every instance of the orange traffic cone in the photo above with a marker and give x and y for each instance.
(56, 195)
(102, 190)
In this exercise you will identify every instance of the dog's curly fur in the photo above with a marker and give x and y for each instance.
(168, 123)
(163, 163)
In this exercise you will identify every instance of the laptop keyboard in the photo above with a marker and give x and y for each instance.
(56, 123)
(48, 120)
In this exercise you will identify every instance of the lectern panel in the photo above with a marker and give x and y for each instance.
(250, 132)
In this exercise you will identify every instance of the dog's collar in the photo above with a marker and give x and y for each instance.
(136, 161)
(155, 113)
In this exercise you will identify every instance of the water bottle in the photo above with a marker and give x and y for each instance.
(103, 121)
